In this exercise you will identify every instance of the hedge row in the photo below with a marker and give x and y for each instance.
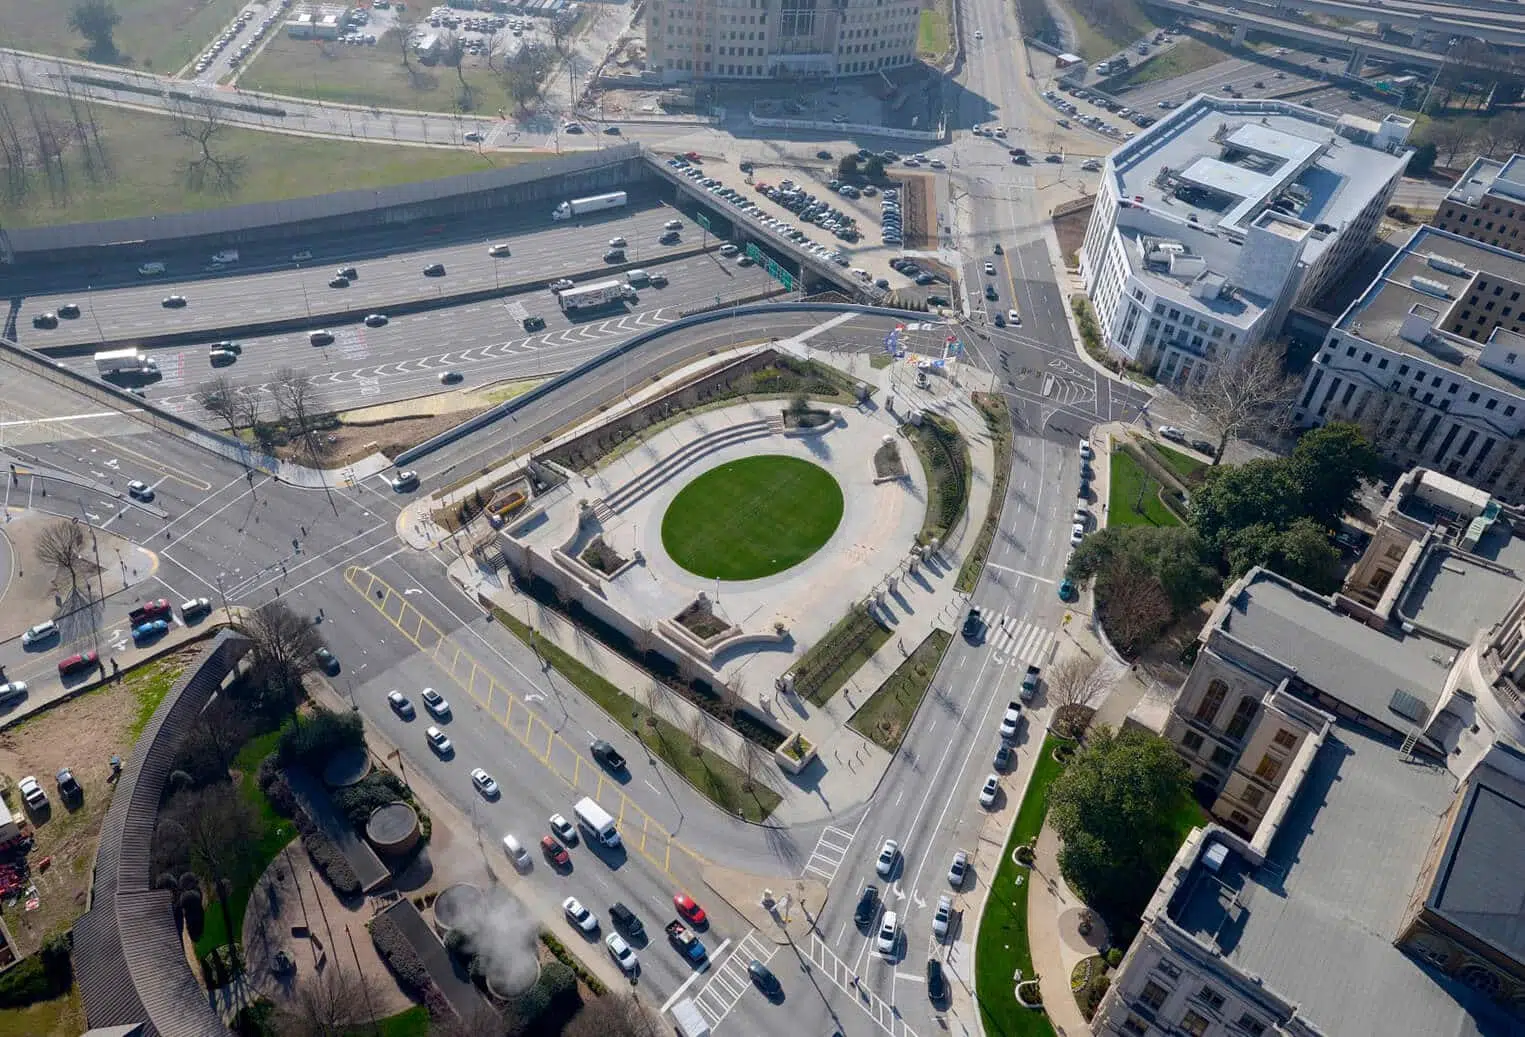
(328, 858)
(571, 961)
(546, 1006)
(402, 959)
(319, 735)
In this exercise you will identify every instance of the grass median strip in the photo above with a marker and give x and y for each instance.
(707, 771)
(998, 423)
(1001, 947)
(884, 718)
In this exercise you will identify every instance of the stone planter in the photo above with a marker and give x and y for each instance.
(795, 753)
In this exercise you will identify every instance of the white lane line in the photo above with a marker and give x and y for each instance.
(697, 973)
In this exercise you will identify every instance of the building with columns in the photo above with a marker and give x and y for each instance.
(1210, 225)
(695, 40)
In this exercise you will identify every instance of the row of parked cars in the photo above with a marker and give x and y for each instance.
(222, 42)
(688, 167)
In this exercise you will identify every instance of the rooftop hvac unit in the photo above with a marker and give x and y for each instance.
(1430, 286)
(1446, 263)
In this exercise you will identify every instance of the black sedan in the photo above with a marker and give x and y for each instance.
(607, 755)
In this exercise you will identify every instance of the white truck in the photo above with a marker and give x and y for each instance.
(690, 1023)
(592, 203)
(592, 296)
(227, 257)
(598, 821)
(126, 361)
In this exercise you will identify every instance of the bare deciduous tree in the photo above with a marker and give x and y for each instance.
(294, 392)
(283, 642)
(217, 827)
(756, 766)
(326, 1005)
(218, 395)
(613, 1015)
(1245, 395)
(201, 123)
(1073, 686)
(1137, 607)
(453, 55)
(61, 544)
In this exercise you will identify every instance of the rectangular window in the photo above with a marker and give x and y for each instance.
(1253, 796)
(1250, 1025)
(1243, 714)
(1207, 709)
(1191, 741)
(1222, 758)
(1194, 1024)
(1153, 995)
(1269, 768)
(1284, 738)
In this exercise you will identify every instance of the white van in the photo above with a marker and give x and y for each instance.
(637, 278)
(690, 1022)
(151, 269)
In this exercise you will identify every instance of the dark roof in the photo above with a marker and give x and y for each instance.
(128, 956)
(1478, 885)
(456, 988)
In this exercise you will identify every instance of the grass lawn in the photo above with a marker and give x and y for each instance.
(752, 517)
(1001, 943)
(277, 831)
(411, 1022)
(1189, 469)
(935, 31)
(154, 35)
(884, 718)
(150, 683)
(1190, 55)
(998, 424)
(878, 361)
(1130, 483)
(827, 664)
(945, 459)
(1124, 23)
(372, 76)
(708, 772)
(146, 161)
(1188, 814)
(60, 1017)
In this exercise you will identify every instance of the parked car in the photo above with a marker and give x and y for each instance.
(327, 660)
(958, 869)
(32, 794)
(435, 703)
(942, 919)
(401, 705)
(438, 741)
(688, 910)
(579, 916)
(485, 783)
(44, 631)
(989, 791)
(607, 755)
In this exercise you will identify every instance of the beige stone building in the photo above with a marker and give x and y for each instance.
(1488, 203)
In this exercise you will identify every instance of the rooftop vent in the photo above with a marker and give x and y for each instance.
(1446, 263)
(1430, 286)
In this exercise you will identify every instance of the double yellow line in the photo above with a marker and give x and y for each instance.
(638, 830)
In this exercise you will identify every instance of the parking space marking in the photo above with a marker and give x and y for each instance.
(638, 830)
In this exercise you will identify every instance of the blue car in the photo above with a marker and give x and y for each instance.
(1066, 591)
(150, 630)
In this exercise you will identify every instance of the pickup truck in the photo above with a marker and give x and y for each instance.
(685, 942)
(1012, 721)
(149, 610)
(1030, 683)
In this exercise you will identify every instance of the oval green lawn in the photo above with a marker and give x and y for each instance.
(751, 518)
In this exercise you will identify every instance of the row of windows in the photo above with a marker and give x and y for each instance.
(1154, 995)
(754, 70)
(1419, 374)
(1497, 210)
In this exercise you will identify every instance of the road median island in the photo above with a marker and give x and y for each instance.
(992, 407)
(723, 783)
(884, 718)
(945, 456)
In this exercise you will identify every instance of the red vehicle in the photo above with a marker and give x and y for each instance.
(690, 911)
(554, 852)
(149, 610)
(693, 156)
(78, 663)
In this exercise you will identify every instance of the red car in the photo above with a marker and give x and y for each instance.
(78, 663)
(692, 156)
(554, 852)
(691, 912)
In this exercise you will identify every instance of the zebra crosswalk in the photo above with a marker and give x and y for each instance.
(1009, 638)
(731, 980)
(829, 850)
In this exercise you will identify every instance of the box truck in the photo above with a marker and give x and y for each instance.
(598, 821)
(592, 296)
(592, 203)
(125, 361)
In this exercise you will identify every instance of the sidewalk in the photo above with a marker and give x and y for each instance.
(1054, 940)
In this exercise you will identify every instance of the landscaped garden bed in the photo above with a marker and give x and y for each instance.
(600, 556)
(883, 719)
(700, 620)
(997, 417)
(828, 663)
(945, 456)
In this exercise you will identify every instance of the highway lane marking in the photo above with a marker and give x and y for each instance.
(639, 829)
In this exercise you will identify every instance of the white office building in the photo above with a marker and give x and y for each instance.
(691, 40)
(1212, 224)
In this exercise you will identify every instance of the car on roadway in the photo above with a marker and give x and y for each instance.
(554, 852)
(534, 322)
(868, 904)
(889, 934)
(45, 320)
(10, 691)
(338, 282)
(404, 480)
(763, 976)
(1011, 720)
(485, 783)
(1077, 534)
(824, 156)
(622, 953)
(669, 237)
(435, 703)
(958, 869)
(688, 910)
(450, 377)
(614, 255)
(562, 284)
(517, 854)
(140, 490)
(1172, 433)
(321, 337)
(1014, 318)
(1067, 590)
(1004, 755)
(990, 293)
(579, 916)
(989, 268)
(563, 829)
(937, 983)
(150, 630)
(612, 131)
(376, 320)
(499, 250)
(78, 663)
(973, 624)
(31, 792)
(438, 741)
(989, 791)
(401, 705)
(889, 856)
(1204, 446)
(69, 310)
(328, 662)
(626, 920)
(673, 225)
(979, 34)
(617, 242)
(475, 136)
(942, 918)
(301, 256)
(349, 272)
(434, 270)
(606, 754)
(729, 249)
(35, 635)
(173, 302)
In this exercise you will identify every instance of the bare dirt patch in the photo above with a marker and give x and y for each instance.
(348, 443)
(1071, 230)
(920, 213)
(81, 734)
